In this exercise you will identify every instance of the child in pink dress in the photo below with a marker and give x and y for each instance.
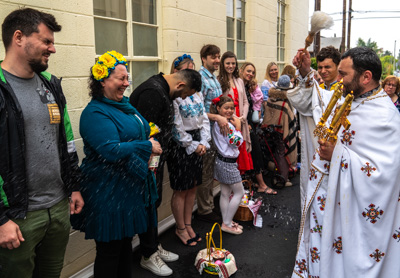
(257, 97)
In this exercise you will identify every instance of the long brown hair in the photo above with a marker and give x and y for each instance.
(223, 76)
(242, 70)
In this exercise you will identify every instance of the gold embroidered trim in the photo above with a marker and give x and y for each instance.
(298, 274)
(305, 209)
(312, 165)
(371, 97)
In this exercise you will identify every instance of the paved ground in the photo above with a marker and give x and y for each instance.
(267, 252)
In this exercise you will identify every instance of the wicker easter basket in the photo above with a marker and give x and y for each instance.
(214, 260)
(244, 213)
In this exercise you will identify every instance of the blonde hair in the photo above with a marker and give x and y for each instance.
(267, 76)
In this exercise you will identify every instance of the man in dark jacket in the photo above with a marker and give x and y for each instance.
(38, 162)
(153, 99)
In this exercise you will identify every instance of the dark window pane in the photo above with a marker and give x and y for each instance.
(230, 27)
(144, 40)
(110, 35)
(241, 50)
(144, 11)
(110, 8)
(141, 71)
(230, 45)
(241, 30)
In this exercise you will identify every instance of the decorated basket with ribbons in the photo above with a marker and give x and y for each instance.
(213, 260)
(243, 212)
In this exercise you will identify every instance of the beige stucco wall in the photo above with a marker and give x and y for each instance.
(184, 27)
(75, 54)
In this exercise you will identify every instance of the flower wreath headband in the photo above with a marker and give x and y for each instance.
(107, 62)
(181, 58)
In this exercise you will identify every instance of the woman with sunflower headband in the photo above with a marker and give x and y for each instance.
(117, 186)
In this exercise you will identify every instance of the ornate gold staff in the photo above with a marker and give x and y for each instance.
(339, 118)
(321, 128)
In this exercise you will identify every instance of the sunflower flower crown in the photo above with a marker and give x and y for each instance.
(107, 62)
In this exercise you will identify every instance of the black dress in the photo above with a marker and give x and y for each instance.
(258, 162)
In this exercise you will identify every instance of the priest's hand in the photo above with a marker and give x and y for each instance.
(302, 61)
(325, 149)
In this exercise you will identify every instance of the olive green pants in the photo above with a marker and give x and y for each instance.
(46, 234)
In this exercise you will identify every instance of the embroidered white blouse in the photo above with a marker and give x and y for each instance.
(189, 114)
(227, 146)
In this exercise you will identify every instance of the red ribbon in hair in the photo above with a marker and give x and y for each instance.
(218, 99)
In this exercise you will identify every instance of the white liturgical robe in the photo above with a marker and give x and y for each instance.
(351, 215)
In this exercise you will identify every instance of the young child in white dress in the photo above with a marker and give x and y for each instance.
(226, 169)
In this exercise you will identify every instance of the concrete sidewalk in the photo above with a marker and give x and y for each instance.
(259, 252)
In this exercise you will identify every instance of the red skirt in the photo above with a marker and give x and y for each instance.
(244, 160)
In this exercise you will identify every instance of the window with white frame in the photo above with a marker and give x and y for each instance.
(129, 27)
(235, 27)
(281, 34)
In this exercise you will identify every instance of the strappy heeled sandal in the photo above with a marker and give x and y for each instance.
(189, 241)
(197, 238)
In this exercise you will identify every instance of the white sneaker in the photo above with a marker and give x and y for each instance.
(156, 265)
(167, 256)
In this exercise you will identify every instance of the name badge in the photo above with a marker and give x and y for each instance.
(54, 113)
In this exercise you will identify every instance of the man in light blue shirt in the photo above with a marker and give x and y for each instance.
(210, 58)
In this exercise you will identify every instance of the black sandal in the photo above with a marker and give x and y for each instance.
(197, 237)
(189, 241)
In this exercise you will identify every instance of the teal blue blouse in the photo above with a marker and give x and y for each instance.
(117, 186)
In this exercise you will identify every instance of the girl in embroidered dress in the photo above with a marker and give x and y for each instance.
(191, 133)
(233, 86)
(225, 169)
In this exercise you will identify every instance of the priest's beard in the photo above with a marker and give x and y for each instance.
(354, 86)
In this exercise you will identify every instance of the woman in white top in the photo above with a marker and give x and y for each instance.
(191, 134)
(271, 75)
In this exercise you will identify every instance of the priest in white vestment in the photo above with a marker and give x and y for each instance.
(351, 217)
